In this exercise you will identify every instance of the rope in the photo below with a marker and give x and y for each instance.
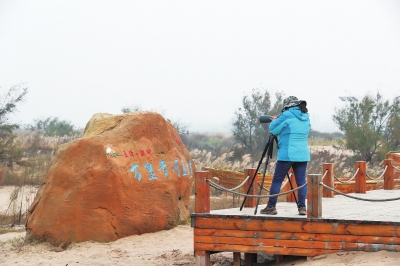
(287, 180)
(282, 186)
(240, 185)
(266, 189)
(345, 182)
(357, 198)
(284, 183)
(322, 178)
(340, 181)
(379, 177)
(216, 186)
(398, 169)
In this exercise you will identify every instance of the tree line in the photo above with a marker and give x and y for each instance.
(370, 126)
(11, 151)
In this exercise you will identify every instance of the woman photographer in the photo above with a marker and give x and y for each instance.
(292, 127)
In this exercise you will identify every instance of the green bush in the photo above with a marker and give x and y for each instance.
(52, 127)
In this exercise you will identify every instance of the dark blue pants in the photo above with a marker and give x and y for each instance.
(281, 170)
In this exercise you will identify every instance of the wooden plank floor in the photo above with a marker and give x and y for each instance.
(339, 207)
(346, 224)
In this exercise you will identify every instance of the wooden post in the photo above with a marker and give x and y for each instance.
(278, 258)
(250, 201)
(328, 180)
(388, 181)
(314, 196)
(202, 258)
(249, 259)
(361, 182)
(202, 205)
(290, 197)
(202, 192)
(236, 258)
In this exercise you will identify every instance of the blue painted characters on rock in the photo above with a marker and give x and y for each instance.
(184, 169)
(175, 167)
(163, 168)
(136, 172)
(187, 169)
(149, 168)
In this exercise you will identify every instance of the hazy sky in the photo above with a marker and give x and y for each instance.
(194, 61)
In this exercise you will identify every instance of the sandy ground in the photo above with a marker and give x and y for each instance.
(23, 197)
(172, 247)
(165, 248)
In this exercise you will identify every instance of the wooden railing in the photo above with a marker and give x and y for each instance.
(312, 236)
(360, 184)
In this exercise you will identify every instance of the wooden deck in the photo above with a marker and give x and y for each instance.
(332, 225)
(339, 208)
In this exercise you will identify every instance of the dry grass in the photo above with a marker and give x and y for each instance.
(4, 230)
(38, 151)
(26, 175)
(342, 160)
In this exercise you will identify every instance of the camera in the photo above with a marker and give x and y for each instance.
(265, 119)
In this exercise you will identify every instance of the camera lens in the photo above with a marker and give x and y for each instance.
(265, 119)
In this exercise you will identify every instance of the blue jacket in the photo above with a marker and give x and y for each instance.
(292, 128)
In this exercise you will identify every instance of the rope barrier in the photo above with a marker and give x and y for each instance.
(284, 183)
(240, 185)
(357, 198)
(337, 179)
(216, 186)
(322, 178)
(345, 182)
(266, 189)
(379, 177)
(282, 186)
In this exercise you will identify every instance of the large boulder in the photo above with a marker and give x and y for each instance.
(129, 174)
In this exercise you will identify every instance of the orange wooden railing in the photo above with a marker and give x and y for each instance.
(361, 184)
(214, 228)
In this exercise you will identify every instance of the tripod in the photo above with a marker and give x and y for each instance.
(269, 147)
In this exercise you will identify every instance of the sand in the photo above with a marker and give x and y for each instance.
(23, 197)
(172, 247)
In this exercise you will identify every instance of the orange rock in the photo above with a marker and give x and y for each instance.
(129, 174)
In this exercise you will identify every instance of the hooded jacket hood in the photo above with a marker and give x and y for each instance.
(298, 113)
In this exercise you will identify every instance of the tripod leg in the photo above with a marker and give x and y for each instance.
(291, 186)
(270, 142)
(261, 186)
